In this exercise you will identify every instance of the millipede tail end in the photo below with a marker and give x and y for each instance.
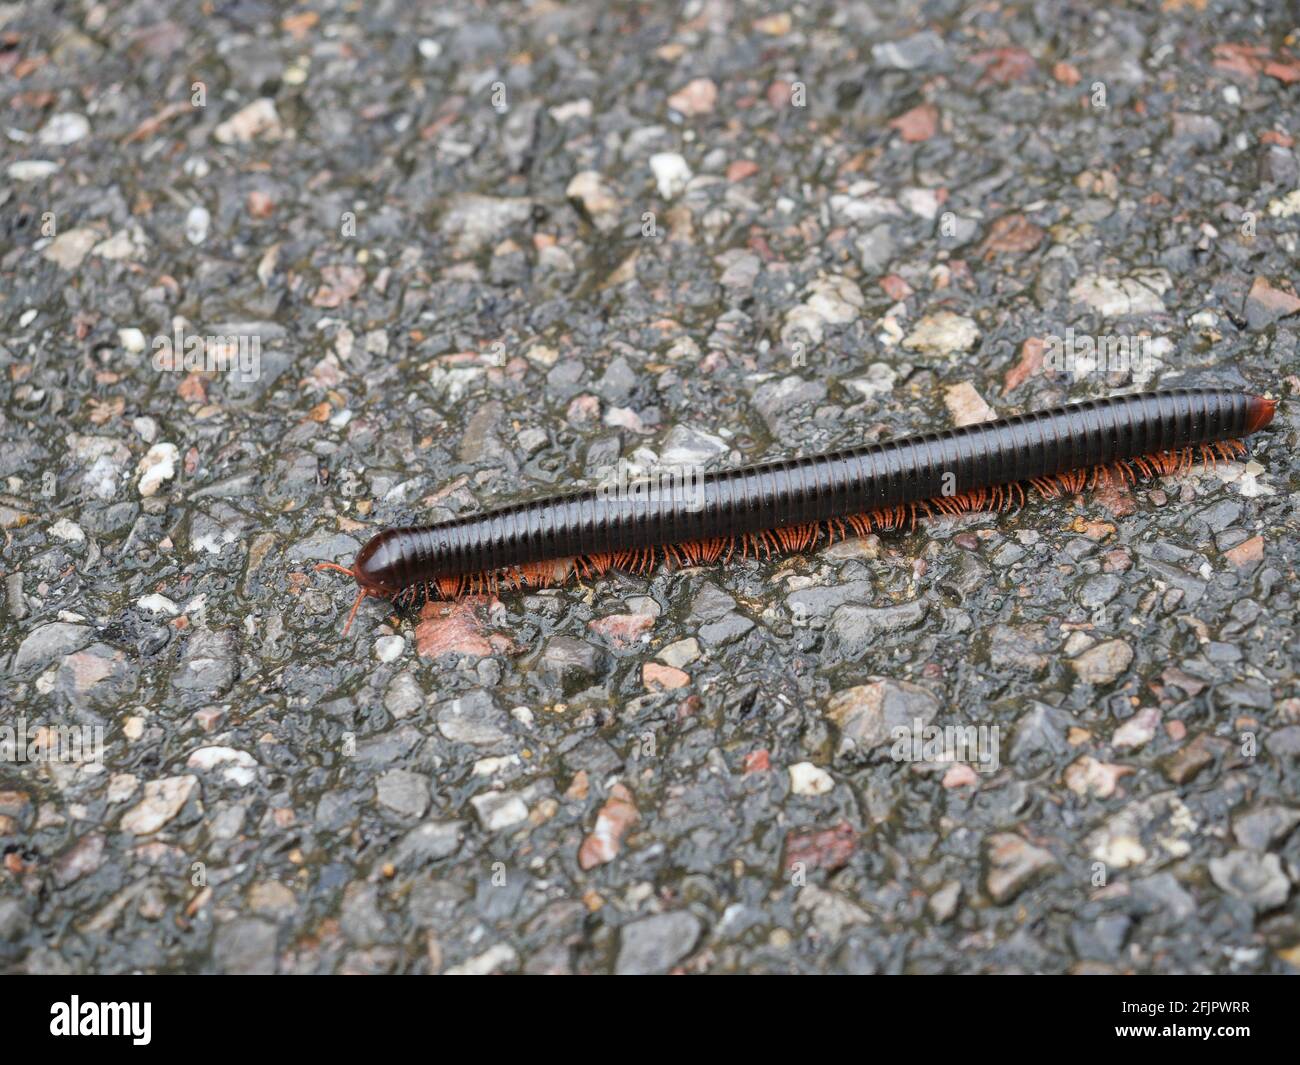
(1261, 412)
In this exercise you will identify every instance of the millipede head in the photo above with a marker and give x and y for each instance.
(374, 569)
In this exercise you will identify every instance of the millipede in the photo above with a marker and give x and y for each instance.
(793, 504)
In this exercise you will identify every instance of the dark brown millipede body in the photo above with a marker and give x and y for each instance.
(790, 504)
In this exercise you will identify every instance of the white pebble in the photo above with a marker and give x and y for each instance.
(118, 247)
(67, 530)
(258, 120)
(158, 465)
(31, 169)
(146, 427)
(671, 173)
(808, 779)
(923, 202)
(389, 648)
(121, 786)
(205, 758)
(486, 767)
(65, 128)
(197, 223)
(159, 604)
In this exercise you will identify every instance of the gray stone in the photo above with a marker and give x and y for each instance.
(687, 446)
(1041, 729)
(98, 677)
(403, 696)
(1102, 939)
(473, 718)
(403, 792)
(711, 604)
(740, 269)
(868, 714)
(499, 810)
(1279, 166)
(1019, 647)
(778, 398)
(429, 842)
(209, 665)
(877, 248)
(943, 903)
(574, 663)
(474, 222)
(1259, 829)
(1201, 132)
(245, 945)
(921, 51)
(830, 911)
(81, 858)
(1254, 878)
(14, 920)
(360, 917)
(725, 629)
(655, 944)
(1013, 864)
(1285, 743)
(1104, 663)
(680, 653)
(858, 627)
(1162, 893)
(48, 642)
(1099, 590)
(618, 381)
(817, 602)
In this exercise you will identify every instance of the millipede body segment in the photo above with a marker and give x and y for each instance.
(791, 504)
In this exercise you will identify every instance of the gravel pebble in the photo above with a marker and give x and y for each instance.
(656, 944)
